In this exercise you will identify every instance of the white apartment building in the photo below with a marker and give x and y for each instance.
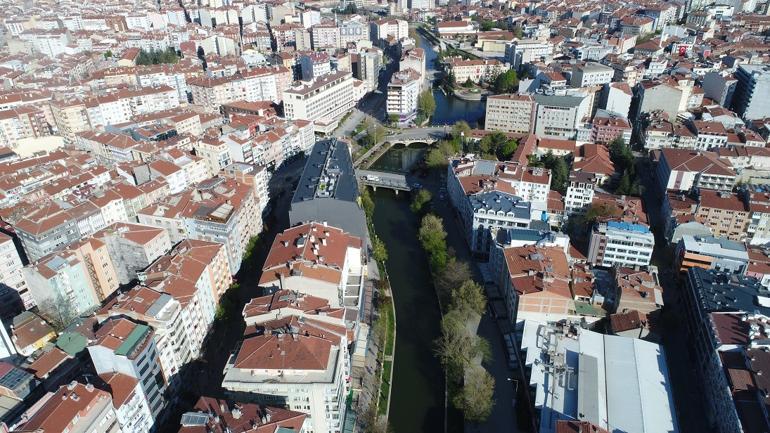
(526, 51)
(61, 281)
(510, 113)
(132, 409)
(591, 74)
(124, 346)
(382, 29)
(580, 192)
(560, 116)
(314, 385)
(620, 243)
(164, 314)
(293, 263)
(403, 92)
(50, 43)
(257, 84)
(11, 273)
(475, 70)
(322, 101)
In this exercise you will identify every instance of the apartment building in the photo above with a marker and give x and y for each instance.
(510, 113)
(403, 92)
(322, 101)
(196, 274)
(132, 409)
(353, 31)
(325, 36)
(489, 195)
(74, 408)
(524, 51)
(591, 74)
(368, 67)
(475, 70)
(314, 64)
(61, 285)
(256, 84)
(133, 247)
(217, 210)
(616, 98)
(165, 315)
(318, 260)
(219, 416)
(607, 126)
(389, 28)
(534, 281)
(286, 302)
(753, 84)
(268, 369)
(620, 243)
(580, 192)
(127, 347)
(70, 117)
(21, 123)
(634, 289)
(560, 116)
(709, 252)
(722, 317)
(11, 274)
(683, 169)
(724, 213)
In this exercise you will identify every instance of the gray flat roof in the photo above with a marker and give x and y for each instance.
(328, 173)
(559, 101)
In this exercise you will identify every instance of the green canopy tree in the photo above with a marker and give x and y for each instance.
(426, 104)
(507, 82)
(433, 239)
(420, 200)
(476, 397)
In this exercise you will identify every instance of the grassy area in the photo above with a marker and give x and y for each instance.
(390, 337)
(387, 366)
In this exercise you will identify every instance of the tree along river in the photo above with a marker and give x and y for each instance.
(417, 398)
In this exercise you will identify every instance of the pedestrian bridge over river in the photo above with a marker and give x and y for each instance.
(383, 179)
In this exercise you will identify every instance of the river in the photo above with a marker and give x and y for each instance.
(449, 109)
(417, 399)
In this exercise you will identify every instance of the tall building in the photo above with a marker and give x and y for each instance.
(127, 347)
(11, 273)
(560, 116)
(750, 99)
(328, 190)
(403, 92)
(74, 408)
(323, 101)
(302, 365)
(510, 113)
(591, 74)
(620, 243)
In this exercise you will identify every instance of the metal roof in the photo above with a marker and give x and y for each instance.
(328, 173)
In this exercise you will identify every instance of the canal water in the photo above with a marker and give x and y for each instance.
(400, 158)
(417, 399)
(449, 109)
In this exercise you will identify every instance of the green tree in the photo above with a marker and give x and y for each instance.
(453, 275)
(621, 155)
(457, 347)
(461, 129)
(437, 157)
(507, 82)
(468, 83)
(475, 399)
(393, 119)
(624, 185)
(421, 198)
(497, 145)
(108, 54)
(426, 104)
(469, 296)
(379, 252)
(367, 203)
(559, 175)
(433, 239)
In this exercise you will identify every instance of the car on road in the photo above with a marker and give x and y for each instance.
(417, 185)
(371, 178)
